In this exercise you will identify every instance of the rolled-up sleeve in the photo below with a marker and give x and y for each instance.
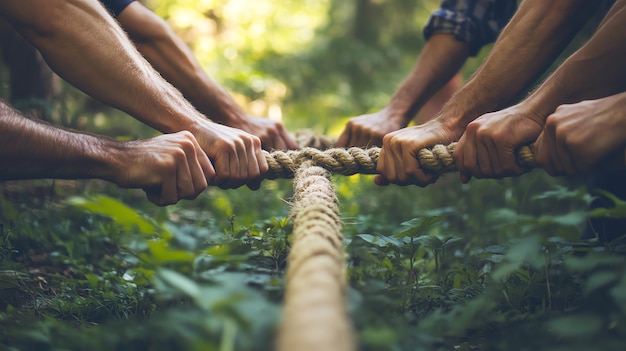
(476, 22)
(116, 6)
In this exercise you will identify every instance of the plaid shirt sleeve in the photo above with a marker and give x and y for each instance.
(116, 6)
(476, 22)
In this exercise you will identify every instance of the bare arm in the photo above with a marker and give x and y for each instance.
(584, 137)
(488, 146)
(169, 55)
(440, 60)
(93, 53)
(536, 34)
(83, 44)
(169, 167)
(595, 70)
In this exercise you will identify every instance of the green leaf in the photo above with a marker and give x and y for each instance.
(106, 206)
(576, 326)
(599, 280)
(179, 283)
(429, 241)
(574, 219)
(525, 251)
(160, 253)
(592, 261)
(618, 292)
(380, 240)
(618, 211)
(418, 225)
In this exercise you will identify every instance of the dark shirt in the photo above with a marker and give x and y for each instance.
(475, 22)
(116, 6)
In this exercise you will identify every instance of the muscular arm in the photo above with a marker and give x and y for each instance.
(167, 53)
(488, 146)
(83, 44)
(169, 167)
(537, 33)
(584, 137)
(30, 149)
(596, 70)
(440, 60)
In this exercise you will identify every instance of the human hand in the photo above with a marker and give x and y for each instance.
(398, 163)
(168, 168)
(236, 155)
(578, 138)
(369, 129)
(273, 134)
(488, 147)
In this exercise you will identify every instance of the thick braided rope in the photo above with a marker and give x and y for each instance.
(315, 316)
(353, 160)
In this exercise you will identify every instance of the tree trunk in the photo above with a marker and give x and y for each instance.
(32, 82)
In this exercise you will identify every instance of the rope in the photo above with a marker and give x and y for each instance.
(315, 316)
(353, 160)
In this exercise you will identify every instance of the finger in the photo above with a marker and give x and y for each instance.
(153, 194)
(222, 169)
(380, 179)
(415, 174)
(238, 161)
(197, 172)
(206, 166)
(508, 163)
(380, 165)
(484, 168)
(259, 166)
(466, 152)
(184, 179)
(169, 192)
(542, 155)
(566, 159)
(458, 156)
(555, 158)
(280, 144)
(394, 166)
(290, 143)
(362, 139)
(254, 185)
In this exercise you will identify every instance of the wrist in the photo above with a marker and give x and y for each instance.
(220, 107)
(105, 159)
(398, 114)
(464, 107)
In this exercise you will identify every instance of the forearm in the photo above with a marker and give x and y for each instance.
(527, 46)
(171, 57)
(596, 70)
(93, 53)
(440, 60)
(30, 149)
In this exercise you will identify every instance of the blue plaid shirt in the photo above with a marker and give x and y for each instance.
(476, 22)
(116, 6)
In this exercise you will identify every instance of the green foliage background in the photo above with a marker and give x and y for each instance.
(493, 265)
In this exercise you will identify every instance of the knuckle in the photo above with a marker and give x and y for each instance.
(187, 134)
(472, 127)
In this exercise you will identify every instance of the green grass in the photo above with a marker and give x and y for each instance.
(493, 265)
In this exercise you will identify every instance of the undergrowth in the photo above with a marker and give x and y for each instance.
(493, 265)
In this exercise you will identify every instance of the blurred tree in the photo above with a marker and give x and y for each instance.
(31, 82)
